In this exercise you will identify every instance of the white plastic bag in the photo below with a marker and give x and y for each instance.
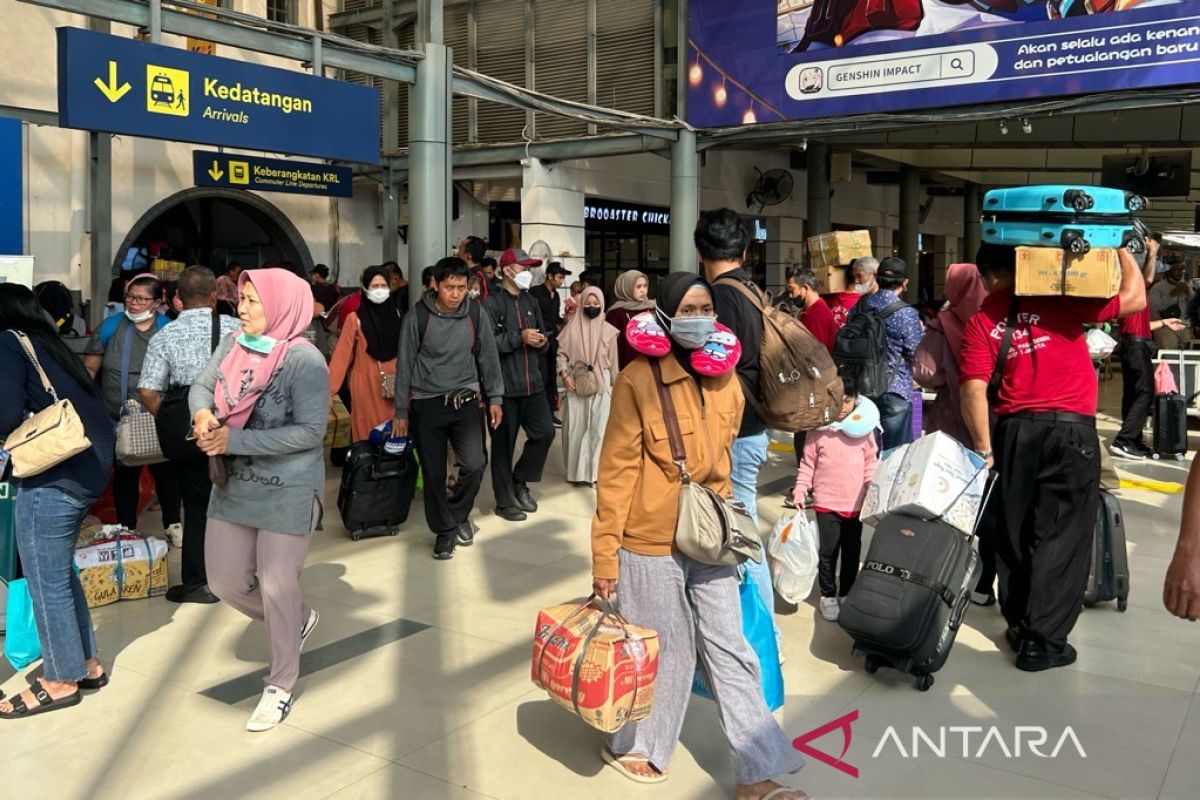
(1100, 345)
(793, 557)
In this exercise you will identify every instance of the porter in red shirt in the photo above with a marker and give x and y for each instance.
(840, 305)
(1048, 366)
(1137, 324)
(820, 323)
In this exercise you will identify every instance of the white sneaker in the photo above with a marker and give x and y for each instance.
(830, 609)
(174, 535)
(309, 625)
(272, 709)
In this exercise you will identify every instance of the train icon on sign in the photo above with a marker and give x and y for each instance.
(167, 90)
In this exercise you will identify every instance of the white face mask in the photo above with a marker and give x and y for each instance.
(523, 280)
(473, 294)
(862, 288)
(378, 295)
(140, 316)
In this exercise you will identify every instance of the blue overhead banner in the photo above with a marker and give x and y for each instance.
(236, 171)
(12, 188)
(108, 83)
(776, 60)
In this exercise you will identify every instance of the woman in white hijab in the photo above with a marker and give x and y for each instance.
(587, 362)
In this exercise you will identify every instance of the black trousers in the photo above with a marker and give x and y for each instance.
(839, 535)
(434, 425)
(799, 438)
(126, 491)
(194, 489)
(1044, 522)
(532, 414)
(549, 365)
(1137, 388)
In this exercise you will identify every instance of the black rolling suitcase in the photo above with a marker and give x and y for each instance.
(1108, 578)
(912, 594)
(377, 490)
(1170, 426)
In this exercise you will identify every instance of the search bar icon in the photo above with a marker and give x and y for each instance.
(888, 72)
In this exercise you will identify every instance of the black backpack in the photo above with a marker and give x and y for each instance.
(862, 346)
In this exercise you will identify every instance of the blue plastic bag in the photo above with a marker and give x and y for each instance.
(759, 630)
(21, 645)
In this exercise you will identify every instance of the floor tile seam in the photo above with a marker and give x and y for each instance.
(447, 782)
(399, 759)
(1175, 748)
(356, 780)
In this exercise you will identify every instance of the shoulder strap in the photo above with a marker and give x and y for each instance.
(27, 346)
(126, 347)
(993, 388)
(423, 317)
(892, 309)
(473, 317)
(752, 293)
(216, 332)
(674, 435)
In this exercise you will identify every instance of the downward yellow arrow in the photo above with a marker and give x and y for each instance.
(112, 90)
(215, 172)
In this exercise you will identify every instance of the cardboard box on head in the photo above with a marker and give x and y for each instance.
(838, 249)
(1042, 271)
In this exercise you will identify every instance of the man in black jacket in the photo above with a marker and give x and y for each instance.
(551, 305)
(522, 339)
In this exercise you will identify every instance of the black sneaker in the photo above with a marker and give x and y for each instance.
(1014, 636)
(557, 422)
(466, 533)
(983, 598)
(196, 594)
(444, 549)
(511, 514)
(1036, 657)
(525, 500)
(1127, 451)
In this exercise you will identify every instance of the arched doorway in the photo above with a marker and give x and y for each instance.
(213, 227)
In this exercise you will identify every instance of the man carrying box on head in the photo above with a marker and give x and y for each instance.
(1046, 449)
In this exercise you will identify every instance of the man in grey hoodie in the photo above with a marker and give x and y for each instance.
(439, 393)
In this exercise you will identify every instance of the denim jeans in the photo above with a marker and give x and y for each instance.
(47, 521)
(896, 419)
(749, 455)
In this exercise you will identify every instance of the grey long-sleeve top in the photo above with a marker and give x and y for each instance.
(277, 462)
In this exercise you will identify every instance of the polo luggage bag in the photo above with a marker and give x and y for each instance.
(912, 594)
(1108, 578)
(1170, 426)
(376, 491)
(1074, 218)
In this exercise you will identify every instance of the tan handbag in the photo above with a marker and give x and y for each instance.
(49, 437)
(710, 529)
(587, 379)
(387, 383)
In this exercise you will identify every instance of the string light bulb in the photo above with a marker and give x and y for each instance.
(695, 74)
(1026, 127)
(720, 95)
(1004, 127)
(749, 118)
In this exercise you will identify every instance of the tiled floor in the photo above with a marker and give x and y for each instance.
(389, 710)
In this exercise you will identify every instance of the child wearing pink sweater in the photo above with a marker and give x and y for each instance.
(836, 468)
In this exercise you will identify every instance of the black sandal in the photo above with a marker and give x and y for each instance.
(92, 684)
(45, 704)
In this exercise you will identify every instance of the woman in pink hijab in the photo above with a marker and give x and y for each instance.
(259, 411)
(587, 362)
(935, 365)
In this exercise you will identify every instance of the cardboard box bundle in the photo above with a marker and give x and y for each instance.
(934, 476)
(122, 565)
(837, 249)
(616, 675)
(167, 270)
(830, 280)
(337, 429)
(1041, 271)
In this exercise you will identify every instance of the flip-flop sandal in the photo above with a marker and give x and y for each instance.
(45, 704)
(611, 759)
(92, 684)
(780, 792)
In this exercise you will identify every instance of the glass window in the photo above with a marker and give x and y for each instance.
(281, 11)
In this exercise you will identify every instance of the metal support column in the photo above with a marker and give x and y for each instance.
(429, 163)
(99, 203)
(972, 227)
(910, 225)
(685, 201)
(389, 143)
(318, 60)
(156, 21)
(820, 218)
(390, 204)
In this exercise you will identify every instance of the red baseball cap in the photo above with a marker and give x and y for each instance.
(515, 255)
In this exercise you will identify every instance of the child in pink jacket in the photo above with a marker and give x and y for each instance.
(836, 468)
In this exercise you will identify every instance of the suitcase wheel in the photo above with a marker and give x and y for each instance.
(394, 532)
(1122, 604)
(1135, 244)
(924, 682)
(1179, 456)
(355, 535)
(1135, 203)
(873, 664)
(1079, 200)
(1075, 243)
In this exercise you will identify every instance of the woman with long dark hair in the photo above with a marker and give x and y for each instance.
(51, 505)
(366, 355)
(56, 298)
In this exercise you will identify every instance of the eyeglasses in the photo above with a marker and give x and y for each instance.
(138, 298)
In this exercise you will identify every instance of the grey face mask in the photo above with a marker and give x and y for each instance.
(691, 332)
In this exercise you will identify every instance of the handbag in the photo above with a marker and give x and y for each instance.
(587, 380)
(49, 437)
(137, 438)
(710, 529)
(173, 422)
(387, 383)
(759, 631)
(21, 644)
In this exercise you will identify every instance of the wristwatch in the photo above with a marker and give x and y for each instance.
(984, 453)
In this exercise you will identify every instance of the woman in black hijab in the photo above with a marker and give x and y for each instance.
(366, 355)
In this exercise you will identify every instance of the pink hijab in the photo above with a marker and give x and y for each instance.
(588, 340)
(287, 301)
(966, 292)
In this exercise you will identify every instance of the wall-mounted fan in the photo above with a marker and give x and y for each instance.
(772, 188)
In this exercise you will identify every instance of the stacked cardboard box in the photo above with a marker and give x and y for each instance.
(838, 249)
(1048, 271)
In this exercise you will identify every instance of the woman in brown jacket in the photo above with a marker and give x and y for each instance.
(694, 607)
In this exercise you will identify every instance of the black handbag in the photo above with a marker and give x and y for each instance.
(174, 419)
